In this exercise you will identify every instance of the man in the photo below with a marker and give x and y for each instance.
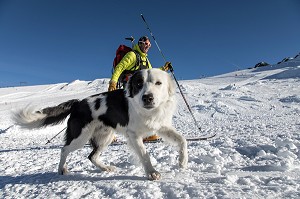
(128, 65)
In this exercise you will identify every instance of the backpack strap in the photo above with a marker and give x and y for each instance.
(138, 61)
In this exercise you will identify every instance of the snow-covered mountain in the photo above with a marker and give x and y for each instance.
(255, 153)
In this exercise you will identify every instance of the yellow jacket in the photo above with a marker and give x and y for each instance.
(128, 63)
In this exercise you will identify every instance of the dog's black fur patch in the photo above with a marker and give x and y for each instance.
(57, 114)
(97, 103)
(135, 84)
(81, 115)
(117, 109)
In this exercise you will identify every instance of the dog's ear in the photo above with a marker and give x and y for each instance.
(129, 87)
(172, 86)
(130, 84)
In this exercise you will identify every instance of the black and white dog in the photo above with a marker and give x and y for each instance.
(146, 106)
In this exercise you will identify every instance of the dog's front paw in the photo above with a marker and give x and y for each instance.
(154, 175)
(63, 171)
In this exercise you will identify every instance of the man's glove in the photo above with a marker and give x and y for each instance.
(167, 66)
(112, 85)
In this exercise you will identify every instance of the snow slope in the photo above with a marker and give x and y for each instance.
(255, 154)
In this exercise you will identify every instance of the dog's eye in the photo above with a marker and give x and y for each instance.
(140, 83)
(158, 83)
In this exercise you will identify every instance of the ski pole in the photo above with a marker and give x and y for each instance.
(172, 71)
(55, 136)
(153, 37)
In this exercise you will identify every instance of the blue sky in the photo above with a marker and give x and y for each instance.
(54, 41)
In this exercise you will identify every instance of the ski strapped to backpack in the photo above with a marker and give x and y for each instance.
(120, 53)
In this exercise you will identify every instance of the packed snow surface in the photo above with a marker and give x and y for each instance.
(255, 154)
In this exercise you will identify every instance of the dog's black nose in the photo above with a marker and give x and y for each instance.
(148, 99)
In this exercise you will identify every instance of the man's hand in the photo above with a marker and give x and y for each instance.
(112, 85)
(167, 66)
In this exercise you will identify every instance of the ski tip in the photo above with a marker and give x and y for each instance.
(201, 138)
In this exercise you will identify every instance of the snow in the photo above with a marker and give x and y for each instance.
(255, 153)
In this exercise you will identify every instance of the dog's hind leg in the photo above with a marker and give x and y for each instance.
(102, 137)
(74, 144)
(172, 136)
(62, 168)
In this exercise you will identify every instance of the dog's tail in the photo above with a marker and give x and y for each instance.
(29, 119)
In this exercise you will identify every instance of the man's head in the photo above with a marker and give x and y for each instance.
(144, 44)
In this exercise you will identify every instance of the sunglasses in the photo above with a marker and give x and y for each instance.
(146, 44)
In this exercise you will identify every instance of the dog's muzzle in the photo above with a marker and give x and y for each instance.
(148, 101)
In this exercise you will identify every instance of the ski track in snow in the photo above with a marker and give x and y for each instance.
(255, 153)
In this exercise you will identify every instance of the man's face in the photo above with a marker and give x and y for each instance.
(144, 46)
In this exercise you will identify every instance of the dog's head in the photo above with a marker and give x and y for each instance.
(150, 88)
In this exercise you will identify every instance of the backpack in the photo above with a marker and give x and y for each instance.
(120, 53)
